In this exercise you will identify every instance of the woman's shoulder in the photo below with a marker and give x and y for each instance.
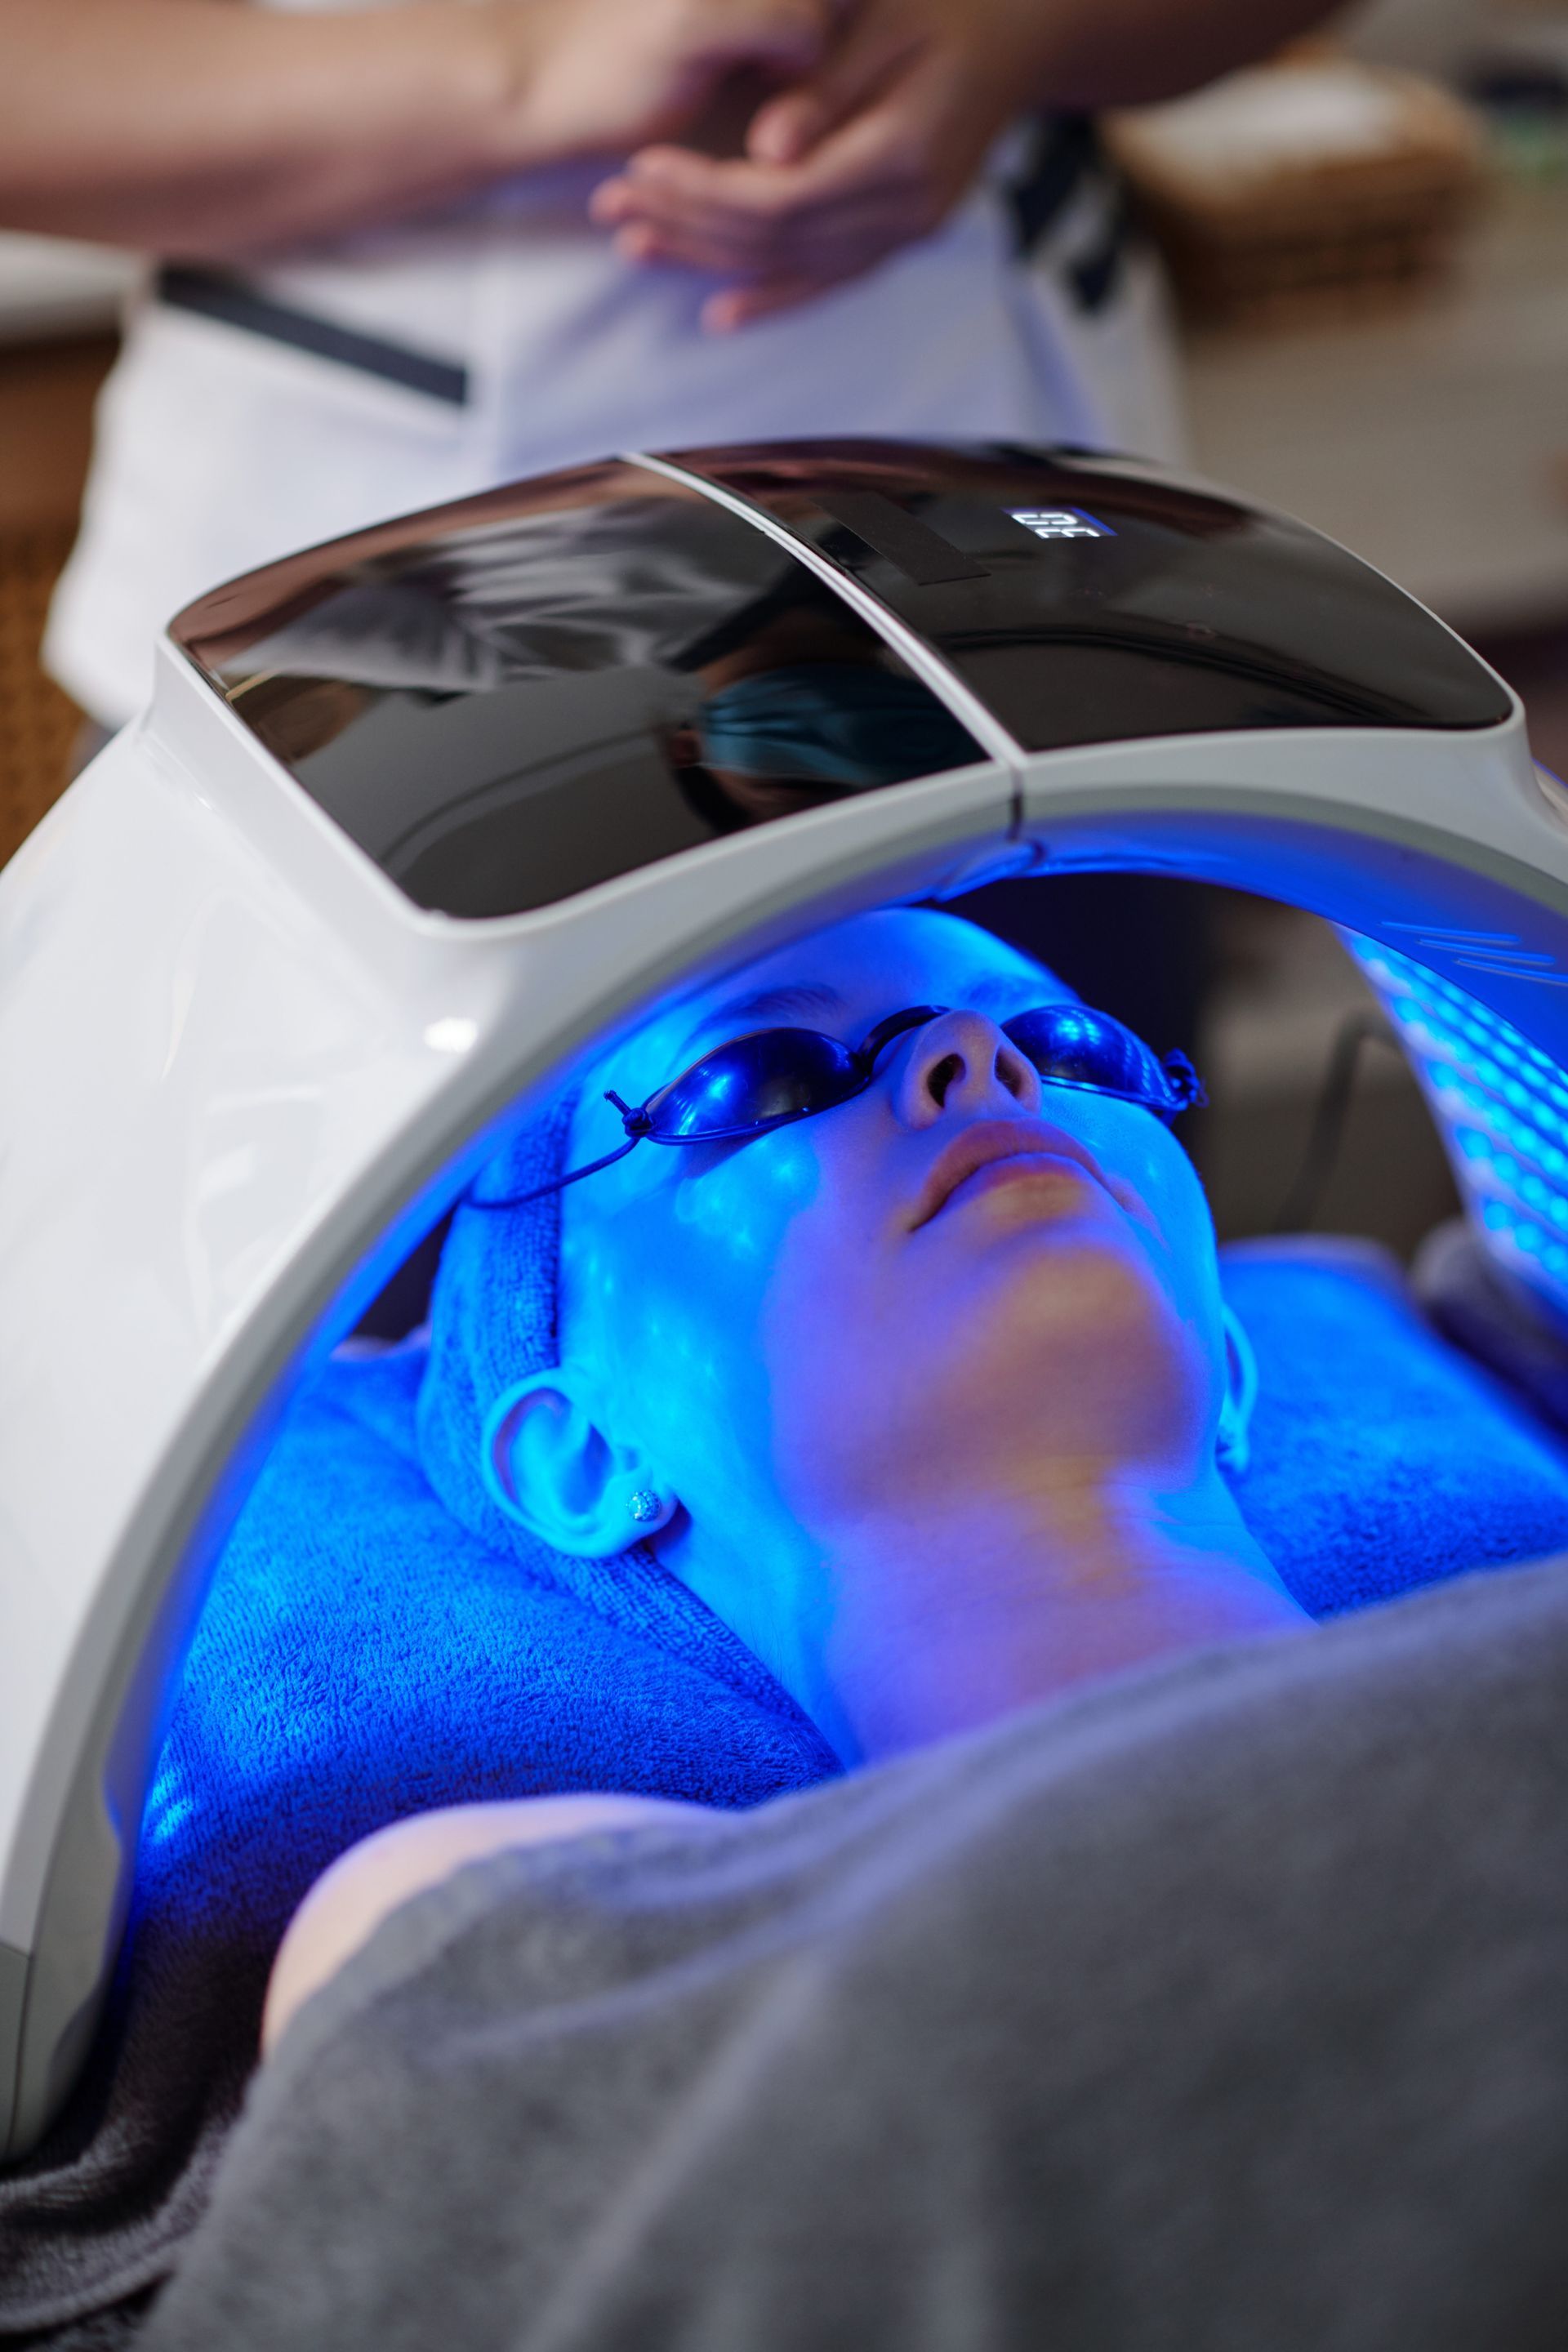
(376, 1877)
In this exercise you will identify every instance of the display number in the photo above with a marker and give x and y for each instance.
(1061, 523)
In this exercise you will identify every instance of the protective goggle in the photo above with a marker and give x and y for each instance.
(776, 1076)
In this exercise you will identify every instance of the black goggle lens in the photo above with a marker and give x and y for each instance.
(756, 1082)
(779, 1074)
(1074, 1045)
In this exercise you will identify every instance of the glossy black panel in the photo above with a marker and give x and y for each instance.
(1088, 601)
(609, 670)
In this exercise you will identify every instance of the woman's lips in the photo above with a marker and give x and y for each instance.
(999, 1151)
(1019, 1167)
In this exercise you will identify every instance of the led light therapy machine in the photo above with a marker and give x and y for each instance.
(417, 818)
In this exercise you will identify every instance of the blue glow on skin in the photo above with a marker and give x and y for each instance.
(779, 1340)
(738, 1205)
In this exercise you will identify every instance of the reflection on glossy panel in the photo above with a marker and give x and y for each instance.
(615, 669)
(1088, 601)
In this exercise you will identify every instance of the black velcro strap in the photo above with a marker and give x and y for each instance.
(1066, 150)
(1095, 276)
(212, 294)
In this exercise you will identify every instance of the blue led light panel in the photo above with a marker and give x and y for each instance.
(1501, 1105)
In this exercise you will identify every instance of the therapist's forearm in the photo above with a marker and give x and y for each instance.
(193, 128)
(1135, 52)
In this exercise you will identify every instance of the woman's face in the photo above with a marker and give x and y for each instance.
(960, 1281)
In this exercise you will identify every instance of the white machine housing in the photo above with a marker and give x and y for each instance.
(243, 1071)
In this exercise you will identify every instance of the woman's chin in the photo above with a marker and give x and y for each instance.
(1062, 1350)
(1068, 1324)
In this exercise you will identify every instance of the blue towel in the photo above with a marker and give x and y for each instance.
(1382, 1458)
(372, 1647)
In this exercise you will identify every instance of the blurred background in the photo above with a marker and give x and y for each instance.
(1368, 246)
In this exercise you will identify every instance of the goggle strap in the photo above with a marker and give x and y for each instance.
(557, 1183)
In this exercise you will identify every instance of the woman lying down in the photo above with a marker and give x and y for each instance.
(1164, 1970)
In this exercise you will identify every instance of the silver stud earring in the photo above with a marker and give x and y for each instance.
(644, 1505)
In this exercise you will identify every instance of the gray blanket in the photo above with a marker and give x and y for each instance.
(1223, 2008)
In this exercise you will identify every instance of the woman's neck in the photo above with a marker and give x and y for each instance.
(905, 1630)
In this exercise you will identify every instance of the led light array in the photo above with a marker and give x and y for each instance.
(1501, 1103)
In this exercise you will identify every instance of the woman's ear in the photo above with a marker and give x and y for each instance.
(549, 1465)
(1233, 1439)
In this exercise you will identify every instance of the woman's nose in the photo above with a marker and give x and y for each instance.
(964, 1062)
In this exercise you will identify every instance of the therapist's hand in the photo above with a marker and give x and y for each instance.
(864, 155)
(876, 144)
(605, 75)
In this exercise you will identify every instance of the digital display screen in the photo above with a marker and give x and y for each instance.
(1096, 600)
(1061, 523)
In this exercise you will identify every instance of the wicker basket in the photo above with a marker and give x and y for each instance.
(1309, 189)
(38, 723)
